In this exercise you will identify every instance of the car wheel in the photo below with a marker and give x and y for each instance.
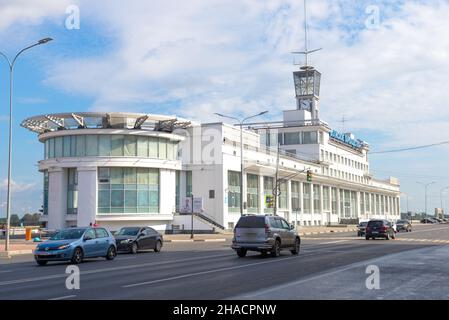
(276, 252)
(112, 252)
(263, 253)
(158, 246)
(297, 246)
(41, 262)
(241, 252)
(366, 238)
(78, 256)
(134, 248)
(387, 236)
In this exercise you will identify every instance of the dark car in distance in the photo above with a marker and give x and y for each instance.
(403, 225)
(133, 239)
(361, 228)
(379, 228)
(428, 220)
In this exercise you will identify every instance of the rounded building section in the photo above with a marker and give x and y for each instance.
(115, 169)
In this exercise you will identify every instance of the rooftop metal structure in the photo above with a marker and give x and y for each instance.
(103, 120)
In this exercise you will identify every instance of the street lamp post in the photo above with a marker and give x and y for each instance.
(11, 64)
(441, 199)
(241, 122)
(426, 185)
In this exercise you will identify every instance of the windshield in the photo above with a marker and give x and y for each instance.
(375, 223)
(68, 234)
(402, 221)
(251, 222)
(128, 232)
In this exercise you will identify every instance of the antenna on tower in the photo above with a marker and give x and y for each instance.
(343, 122)
(306, 51)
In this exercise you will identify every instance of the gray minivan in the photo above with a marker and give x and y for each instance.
(264, 233)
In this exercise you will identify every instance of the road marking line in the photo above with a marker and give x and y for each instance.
(4, 283)
(205, 272)
(338, 241)
(63, 297)
(4, 271)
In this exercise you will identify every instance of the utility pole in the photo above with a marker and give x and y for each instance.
(426, 185)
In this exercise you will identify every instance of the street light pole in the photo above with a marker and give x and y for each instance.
(11, 76)
(241, 122)
(426, 185)
(441, 199)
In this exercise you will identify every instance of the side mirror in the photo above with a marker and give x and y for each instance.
(292, 227)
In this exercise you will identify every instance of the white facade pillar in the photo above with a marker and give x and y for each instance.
(301, 202)
(87, 195)
(167, 191)
(57, 198)
(244, 193)
(312, 209)
(338, 204)
(290, 216)
(261, 195)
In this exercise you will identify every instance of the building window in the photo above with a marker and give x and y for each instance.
(46, 185)
(316, 199)
(362, 203)
(334, 200)
(354, 208)
(72, 191)
(234, 191)
(268, 185)
(326, 199)
(283, 195)
(342, 203)
(306, 197)
(252, 193)
(128, 190)
(111, 145)
(295, 194)
(188, 184)
(309, 137)
(291, 138)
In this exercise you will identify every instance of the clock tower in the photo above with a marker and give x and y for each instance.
(307, 90)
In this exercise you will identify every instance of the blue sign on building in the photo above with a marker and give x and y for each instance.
(346, 139)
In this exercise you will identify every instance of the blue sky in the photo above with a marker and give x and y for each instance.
(199, 57)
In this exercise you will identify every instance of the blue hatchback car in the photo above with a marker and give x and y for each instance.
(75, 244)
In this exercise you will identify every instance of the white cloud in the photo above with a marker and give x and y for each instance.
(29, 12)
(17, 186)
(214, 56)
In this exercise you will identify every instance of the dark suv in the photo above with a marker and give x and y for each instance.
(379, 229)
(264, 234)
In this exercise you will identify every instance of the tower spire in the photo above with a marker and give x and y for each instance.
(306, 51)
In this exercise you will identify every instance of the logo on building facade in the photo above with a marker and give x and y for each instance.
(346, 139)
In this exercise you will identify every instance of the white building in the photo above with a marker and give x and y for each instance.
(120, 169)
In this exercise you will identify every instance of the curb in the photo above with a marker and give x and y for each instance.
(195, 240)
(9, 254)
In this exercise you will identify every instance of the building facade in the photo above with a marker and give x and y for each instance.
(120, 169)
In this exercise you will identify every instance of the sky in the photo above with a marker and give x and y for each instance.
(384, 66)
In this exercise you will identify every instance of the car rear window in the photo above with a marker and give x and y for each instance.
(375, 224)
(251, 222)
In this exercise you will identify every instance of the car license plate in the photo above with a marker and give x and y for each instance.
(375, 232)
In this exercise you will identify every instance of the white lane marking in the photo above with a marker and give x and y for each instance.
(205, 272)
(4, 283)
(4, 271)
(338, 241)
(63, 297)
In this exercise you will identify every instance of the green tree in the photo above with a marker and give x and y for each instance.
(14, 220)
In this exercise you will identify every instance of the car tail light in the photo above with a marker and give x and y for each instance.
(384, 228)
(267, 228)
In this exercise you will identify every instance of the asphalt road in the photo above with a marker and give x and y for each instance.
(330, 266)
